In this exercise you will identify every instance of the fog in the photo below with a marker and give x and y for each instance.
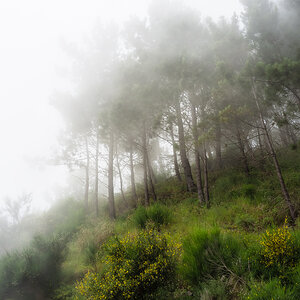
(104, 102)
(32, 69)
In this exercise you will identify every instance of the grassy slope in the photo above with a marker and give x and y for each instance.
(243, 207)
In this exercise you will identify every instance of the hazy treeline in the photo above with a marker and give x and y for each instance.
(219, 93)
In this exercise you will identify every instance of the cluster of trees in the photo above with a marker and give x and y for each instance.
(205, 88)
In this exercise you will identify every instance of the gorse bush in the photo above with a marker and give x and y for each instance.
(135, 266)
(278, 251)
(158, 214)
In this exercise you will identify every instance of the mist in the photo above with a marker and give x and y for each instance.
(122, 118)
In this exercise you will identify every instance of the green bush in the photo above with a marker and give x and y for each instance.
(248, 190)
(140, 217)
(133, 267)
(158, 214)
(34, 270)
(295, 281)
(270, 290)
(210, 254)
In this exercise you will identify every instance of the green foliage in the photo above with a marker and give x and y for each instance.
(67, 292)
(270, 290)
(246, 222)
(214, 289)
(82, 250)
(140, 217)
(226, 186)
(36, 269)
(134, 266)
(248, 190)
(65, 217)
(158, 214)
(209, 254)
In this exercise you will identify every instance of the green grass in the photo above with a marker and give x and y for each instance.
(220, 253)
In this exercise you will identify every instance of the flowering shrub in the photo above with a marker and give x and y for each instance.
(135, 265)
(278, 251)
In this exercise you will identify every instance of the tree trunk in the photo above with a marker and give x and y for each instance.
(152, 188)
(205, 166)
(242, 149)
(176, 166)
(284, 190)
(206, 186)
(144, 142)
(111, 197)
(151, 172)
(184, 160)
(218, 144)
(133, 189)
(97, 174)
(292, 134)
(87, 179)
(283, 136)
(197, 154)
(121, 179)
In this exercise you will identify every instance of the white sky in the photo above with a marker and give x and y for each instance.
(30, 31)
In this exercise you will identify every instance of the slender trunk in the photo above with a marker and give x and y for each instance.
(144, 138)
(292, 134)
(133, 189)
(209, 153)
(111, 197)
(197, 154)
(261, 150)
(87, 178)
(184, 160)
(97, 174)
(218, 144)
(121, 179)
(151, 182)
(242, 149)
(283, 136)
(176, 166)
(284, 190)
(151, 172)
(205, 166)
(295, 93)
(206, 186)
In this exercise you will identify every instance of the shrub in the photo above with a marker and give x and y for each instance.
(248, 190)
(270, 290)
(32, 271)
(140, 217)
(211, 255)
(134, 266)
(157, 214)
(278, 251)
